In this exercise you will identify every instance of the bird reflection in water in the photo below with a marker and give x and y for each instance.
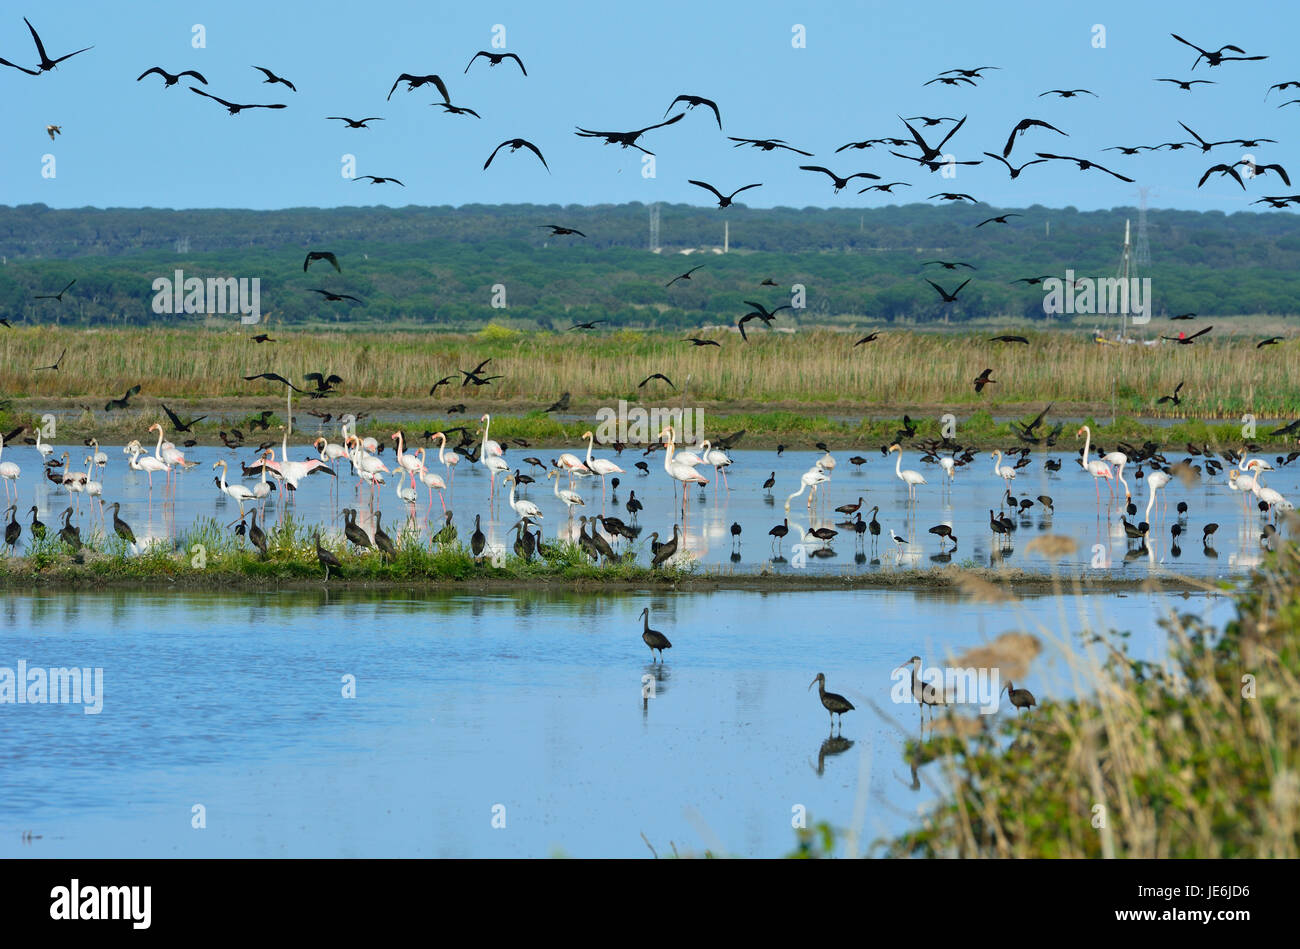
(832, 746)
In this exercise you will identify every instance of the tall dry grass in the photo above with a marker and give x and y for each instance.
(1223, 378)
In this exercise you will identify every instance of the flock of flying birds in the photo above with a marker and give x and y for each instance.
(916, 148)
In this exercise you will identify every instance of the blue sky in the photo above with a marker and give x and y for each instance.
(617, 66)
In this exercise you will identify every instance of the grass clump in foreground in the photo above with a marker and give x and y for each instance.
(209, 550)
(1195, 757)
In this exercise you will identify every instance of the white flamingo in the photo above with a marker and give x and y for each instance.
(236, 491)
(1097, 468)
(811, 478)
(1005, 472)
(410, 463)
(494, 463)
(720, 462)
(148, 463)
(571, 498)
(524, 507)
(448, 461)
(99, 457)
(679, 470)
(431, 480)
(9, 472)
(907, 476)
(601, 466)
(45, 448)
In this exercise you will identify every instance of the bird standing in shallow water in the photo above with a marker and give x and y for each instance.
(653, 638)
(833, 702)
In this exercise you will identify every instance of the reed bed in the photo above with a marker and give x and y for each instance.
(1223, 377)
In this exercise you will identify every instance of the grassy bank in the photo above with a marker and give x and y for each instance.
(1194, 757)
(807, 371)
(210, 557)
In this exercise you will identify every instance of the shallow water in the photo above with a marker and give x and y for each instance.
(463, 703)
(708, 519)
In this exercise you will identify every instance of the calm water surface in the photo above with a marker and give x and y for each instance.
(525, 709)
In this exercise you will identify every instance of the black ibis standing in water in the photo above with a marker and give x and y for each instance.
(1020, 698)
(781, 530)
(926, 693)
(653, 638)
(477, 541)
(873, 525)
(257, 536)
(38, 528)
(997, 526)
(770, 482)
(735, 533)
(633, 505)
(69, 534)
(12, 530)
(833, 702)
(325, 558)
(382, 540)
(353, 531)
(664, 551)
(1207, 533)
(944, 532)
(121, 527)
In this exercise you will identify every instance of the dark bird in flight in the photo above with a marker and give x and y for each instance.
(1184, 316)
(324, 383)
(953, 196)
(887, 188)
(1187, 86)
(949, 297)
(969, 73)
(983, 380)
(868, 143)
(692, 102)
(839, 182)
(355, 123)
(415, 82)
(321, 255)
(1032, 281)
(122, 402)
(1278, 201)
(930, 122)
(628, 139)
(950, 80)
(590, 325)
(1131, 149)
(702, 342)
(767, 144)
(444, 381)
(1009, 339)
(54, 296)
(5, 323)
(272, 78)
(724, 201)
(1066, 93)
(1171, 398)
(334, 297)
(948, 264)
(1012, 169)
(934, 164)
(1258, 170)
(1187, 340)
(1001, 219)
(1084, 164)
(1229, 170)
(46, 64)
(273, 377)
(456, 109)
(764, 314)
(168, 79)
(1271, 341)
(1023, 126)
(1216, 57)
(262, 338)
(684, 276)
(657, 375)
(558, 231)
(231, 107)
(516, 144)
(54, 365)
(767, 282)
(495, 59)
(928, 153)
(1283, 86)
(869, 338)
(179, 425)
(559, 405)
(474, 374)
(1205, 146)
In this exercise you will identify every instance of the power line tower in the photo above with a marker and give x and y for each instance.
(1142, 253)
(654, 228)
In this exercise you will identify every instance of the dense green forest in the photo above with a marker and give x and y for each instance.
(437, 266)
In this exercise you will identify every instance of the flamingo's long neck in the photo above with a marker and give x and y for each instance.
(1087, 442)
(441, 445)
(898, 465)
(483, 449)
(590, 439)
(668, 455)
(223, 476)
(1151, 501)
(997, 457)
(158, 451)
(557, 488)
(284, 447)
